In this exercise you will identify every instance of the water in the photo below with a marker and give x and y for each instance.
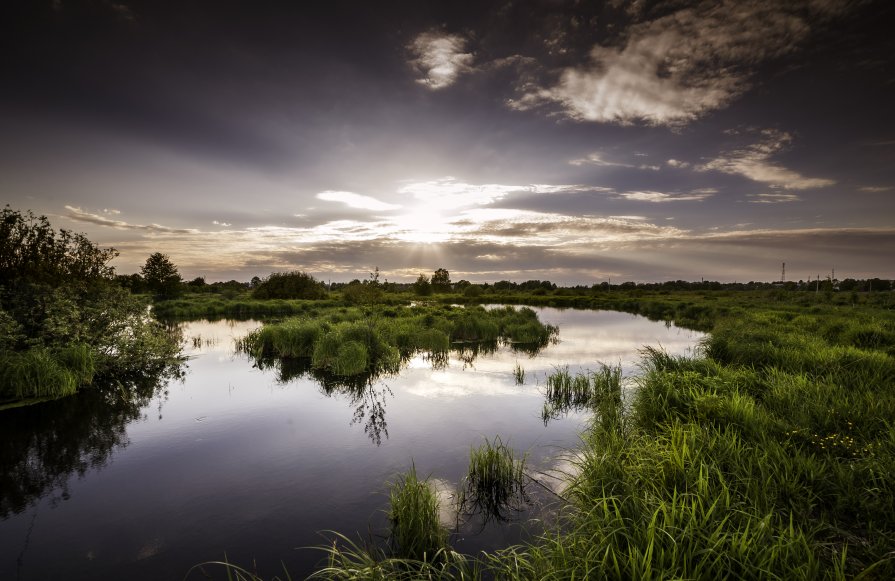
(233, 461)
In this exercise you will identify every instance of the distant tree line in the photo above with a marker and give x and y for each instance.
(160, 278)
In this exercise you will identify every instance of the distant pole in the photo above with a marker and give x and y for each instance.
(783, 273)
(817, 288)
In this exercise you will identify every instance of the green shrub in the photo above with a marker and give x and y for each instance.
(290, 285)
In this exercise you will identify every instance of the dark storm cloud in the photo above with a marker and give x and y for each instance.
(253, 84)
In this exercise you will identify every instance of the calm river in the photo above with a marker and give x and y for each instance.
(244, 462)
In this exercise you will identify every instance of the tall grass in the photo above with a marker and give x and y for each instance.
(348, 560)
(598, 391)
(519, 374)
(243, 307)
(350, 341)
(416, 532)
(231, 572)
(495, 481)
(43, 373)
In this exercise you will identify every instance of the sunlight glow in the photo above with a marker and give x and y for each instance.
(423, 226)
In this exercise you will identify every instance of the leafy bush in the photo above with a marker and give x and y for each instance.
(290, 285)
(63, 318)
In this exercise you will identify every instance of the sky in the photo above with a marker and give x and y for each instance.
(565, 140)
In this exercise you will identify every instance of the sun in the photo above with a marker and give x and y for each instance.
(424, 226)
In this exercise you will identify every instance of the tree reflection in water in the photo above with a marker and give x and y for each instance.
(43, 445)
(362, 390)
(366, 392)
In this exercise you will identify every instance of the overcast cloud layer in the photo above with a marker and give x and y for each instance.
(553, 140)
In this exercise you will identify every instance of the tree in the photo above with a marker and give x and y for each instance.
(366, 293)
(161, 275)
(290, 285)
(65, 319)
(198, 284)
(441, 281)
(132, 282)
(31, 251)
(422, 286)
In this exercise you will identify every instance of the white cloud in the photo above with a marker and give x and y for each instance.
(773, 198)
(565, 189)
(80, 215)
(674, 69)
(450, 193)
(521, 228)
(753, 162)
(440, 58)
(217, 223)
(676, 163)
(596, 158)
(356, 201)
(661, 197)
(876, 188)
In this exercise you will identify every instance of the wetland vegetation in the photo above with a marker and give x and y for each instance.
(64, 322)
(769, 455)
(352, 341)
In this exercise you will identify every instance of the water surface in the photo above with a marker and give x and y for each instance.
(234, 460)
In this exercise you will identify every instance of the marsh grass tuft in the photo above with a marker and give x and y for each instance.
(42, 373)
(347, 560)
(416, 532)
(495, 481)
(519, 374)
(599, 391)
(348, 341)
(232, 572)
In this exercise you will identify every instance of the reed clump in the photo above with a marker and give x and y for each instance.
(348, 560)
(349, 341)
(43, 373)
(495, 481)
(519, 374)
(598, 391)
(416, 532)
